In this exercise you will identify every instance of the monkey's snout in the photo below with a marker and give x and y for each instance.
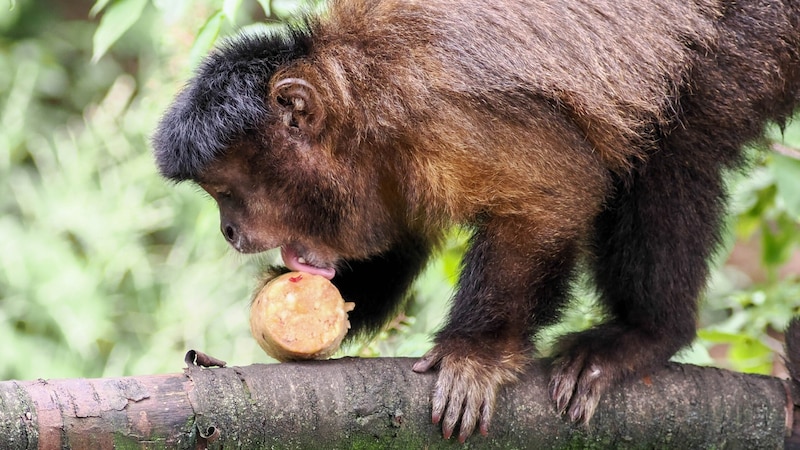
(231, 234)
(239, 240)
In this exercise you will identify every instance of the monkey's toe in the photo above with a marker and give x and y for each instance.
(590, 362)
(577, 384)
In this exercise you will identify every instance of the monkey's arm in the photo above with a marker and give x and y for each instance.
(379, 284)
(512, 283)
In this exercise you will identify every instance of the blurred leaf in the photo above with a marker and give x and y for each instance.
(787, 179)
(761, 205)
(286, 8)
(19, 99)
(720, 337)
(265, 5)
(751, 356)
(745, 353)
(116, 20)
(97, 7)
(206, 38)
(696, 354)
(231, 8)
(777, 238)
(172, 12)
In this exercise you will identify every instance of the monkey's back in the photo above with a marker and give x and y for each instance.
(618, 68)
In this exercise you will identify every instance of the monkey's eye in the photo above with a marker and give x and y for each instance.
(218, 192)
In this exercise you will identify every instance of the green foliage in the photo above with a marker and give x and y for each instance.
(741, 312)
(745, 353)
(206, 37)
(786, 172)
(118, 18)
(107, 270)
(120, 15)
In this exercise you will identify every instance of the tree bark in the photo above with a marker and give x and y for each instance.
(381, 403)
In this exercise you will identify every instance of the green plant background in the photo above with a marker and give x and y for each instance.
(107, 270)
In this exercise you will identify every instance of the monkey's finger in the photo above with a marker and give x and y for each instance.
(487, 410)
(582, 409)
(564, 381)
(561, 392)
(428, 361)
(587, 395)
(455, 406)
(472, 411)
(441, 393)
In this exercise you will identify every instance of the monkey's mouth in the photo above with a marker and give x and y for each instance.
(297, 261)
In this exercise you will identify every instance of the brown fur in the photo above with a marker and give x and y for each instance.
(559, 131)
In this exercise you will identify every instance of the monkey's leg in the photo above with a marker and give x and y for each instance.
(510, 284)
(379, 284)
(652, 246)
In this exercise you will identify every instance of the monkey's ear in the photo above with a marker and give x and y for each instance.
(299, 106)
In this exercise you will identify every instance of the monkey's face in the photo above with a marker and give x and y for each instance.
(285, 187)
(265, 203)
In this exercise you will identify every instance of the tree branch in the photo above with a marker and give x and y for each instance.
(381, 403)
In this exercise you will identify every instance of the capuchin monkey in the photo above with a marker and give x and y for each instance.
(563, 134)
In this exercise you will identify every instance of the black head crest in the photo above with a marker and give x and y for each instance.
(223, 101)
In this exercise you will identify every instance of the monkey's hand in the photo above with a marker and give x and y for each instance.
(468, 384)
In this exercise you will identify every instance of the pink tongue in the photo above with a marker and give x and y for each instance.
(292, 261)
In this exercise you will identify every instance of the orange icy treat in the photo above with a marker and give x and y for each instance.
(299, 316)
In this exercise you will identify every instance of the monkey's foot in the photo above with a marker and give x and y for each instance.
(467, 385)
(590, 362)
